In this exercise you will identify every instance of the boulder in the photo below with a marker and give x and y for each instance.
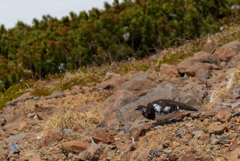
(93, 152)
(224, 116)
(113, 103)
(169, 71)
(197, 96)
(22, 98)
(139, 82)
(56, 95)
(74, 147)
(205, 57)
(216, 128)
(226, 52)
(128, 114)
(101, 136)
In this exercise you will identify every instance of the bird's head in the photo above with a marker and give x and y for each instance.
(141, 108)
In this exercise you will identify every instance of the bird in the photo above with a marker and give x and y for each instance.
(163, 109)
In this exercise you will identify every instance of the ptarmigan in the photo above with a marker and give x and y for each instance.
(163, 109)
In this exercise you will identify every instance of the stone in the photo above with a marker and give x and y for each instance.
(238, 91)
(216, 128)
(181, 115)
(20, 137)
(226, 52)
(169, 71)
(14, 148)
(77, 127)
(67, 132)
(102, 123)
(223, 140)
(233, 146)
(74, 147)
(141, 132)
(204, 137)
(113, 103)
(152, 152)
(56, 95)
(22, 98)
(109, 80)
(233, 155)
(223, 116)
(22, 126)
(93, 152)
(206, 114)
(203, 74)
(125, 128)
(197, 132)
(56, 134)
(101, 136)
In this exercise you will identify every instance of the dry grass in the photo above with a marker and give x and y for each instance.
(220, 92)
(66, 119)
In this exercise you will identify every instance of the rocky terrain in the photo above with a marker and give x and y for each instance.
(97, 121)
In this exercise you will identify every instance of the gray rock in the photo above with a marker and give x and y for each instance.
(126, 128)
(223, 140)
(168, 155)
(14, 148)
(152, 152)
(67, 132)
(213, 137)
(102, 123)
(238, 91)
(22, 98)
(203, 74)
(36, 98)
(56, 95)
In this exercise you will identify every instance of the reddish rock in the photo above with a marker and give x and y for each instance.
(20, 137)
(206, 114)
(35, 158)
(233, 155)
(216, 128)
(141, 132)
(74, 147)
(109, 80)
(44, 141)
(56, 134)
(233, 146)
(77, 127)
(224, 116)
(169, 71)
(101, 136)
(226, 52)
(204, 137)
(93, 152)
(180, 116)
(194, 155)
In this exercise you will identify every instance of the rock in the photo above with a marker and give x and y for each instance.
(204, 137)
(36, 98)
(22, 98)
(101, 136)
(22, 126)
(126, 128)
(67, 132)
(77, 127)
(224, 116)
(74, 147)
(141, 132)
(152, 152)
(223, 140)
(93, 152)
(113, 103)
(153, 68)
(203, 74)
(197, 96)
(226, 52)
(181, 115)
(207, 114)
(20, 137)
(169, 71)
(238, 91)
(56, 134)
(216, 128)
(197, 132)
(2, 121)
(200, 61)
(127, 114)
(56, 95)
(234, 155)
(193, 155)
(235, 105)
(14, 148)
(102, 123)
(139, 82)
(233, 146)
(179, 135)
(109, 80)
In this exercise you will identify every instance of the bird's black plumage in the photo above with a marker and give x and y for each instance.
(163, 109)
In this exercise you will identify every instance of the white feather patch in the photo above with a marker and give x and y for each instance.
(178, 107)
(157, 107)
(167, 108)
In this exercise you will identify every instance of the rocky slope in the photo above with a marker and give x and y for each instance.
(98, 122)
